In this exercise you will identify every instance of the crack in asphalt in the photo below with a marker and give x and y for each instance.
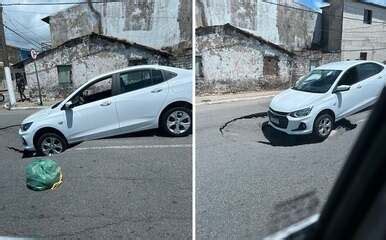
(10, 126)
(255, 115)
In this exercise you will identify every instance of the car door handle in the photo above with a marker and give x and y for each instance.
(359, 86)
(104, 104)
(156, 91)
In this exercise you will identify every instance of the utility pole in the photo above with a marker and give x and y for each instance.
(7, 71)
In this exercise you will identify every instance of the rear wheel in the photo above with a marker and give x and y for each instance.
(50, 143)
(177, 122)
(323, 126)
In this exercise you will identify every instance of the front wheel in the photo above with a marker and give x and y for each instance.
(323, 126)
(177, 122)
(50, 143)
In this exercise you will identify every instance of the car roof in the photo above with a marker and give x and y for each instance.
(344, 65)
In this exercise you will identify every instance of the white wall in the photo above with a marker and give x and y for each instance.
(357, 35)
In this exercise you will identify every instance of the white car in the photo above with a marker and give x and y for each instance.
(327, 94)
(124, 101)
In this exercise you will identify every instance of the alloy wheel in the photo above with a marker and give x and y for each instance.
(178, 122)
(325, 126)
(51, 145)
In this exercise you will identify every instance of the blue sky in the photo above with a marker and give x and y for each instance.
(315, 4)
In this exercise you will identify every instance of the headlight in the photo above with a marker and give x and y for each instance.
(26, 126)
(301, 113)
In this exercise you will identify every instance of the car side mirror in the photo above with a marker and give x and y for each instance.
(342, 88)
(68, 105)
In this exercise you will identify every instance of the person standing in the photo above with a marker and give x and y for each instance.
(20, 86)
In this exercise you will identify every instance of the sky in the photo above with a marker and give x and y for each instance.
(27, 19)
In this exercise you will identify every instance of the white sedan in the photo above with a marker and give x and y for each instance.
(123, 101)
(327, 94)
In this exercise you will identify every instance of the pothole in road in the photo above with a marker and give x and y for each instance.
(255, 128)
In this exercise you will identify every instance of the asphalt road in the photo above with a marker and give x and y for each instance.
(246, 172)
(130, 187)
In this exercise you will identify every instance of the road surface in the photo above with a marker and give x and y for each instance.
(129, 187)
(245, 170)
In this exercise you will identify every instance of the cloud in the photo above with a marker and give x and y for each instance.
(27, 21)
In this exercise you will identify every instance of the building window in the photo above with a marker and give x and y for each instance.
(271, 66)
(136, 62)
(363, 56)
(199, 67)
(64, 74)
(314, 64)
(367, 16)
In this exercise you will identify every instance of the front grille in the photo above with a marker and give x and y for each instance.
(281, 116)
(278, 113)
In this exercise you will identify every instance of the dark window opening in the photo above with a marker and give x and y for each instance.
(271, 66)
(135, 62)
(363, 56)
(367, 16)
(199, 67)
(64, 74)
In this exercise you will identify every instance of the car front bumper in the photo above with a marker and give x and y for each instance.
(27, 140)
(290, 125)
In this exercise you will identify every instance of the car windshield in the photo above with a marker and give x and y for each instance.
(317, 81)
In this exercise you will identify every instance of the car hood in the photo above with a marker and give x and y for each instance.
(292, 100)
(42, 114)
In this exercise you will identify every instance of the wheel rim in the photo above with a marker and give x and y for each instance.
(51, 145)
(178, 122)
(325, 126)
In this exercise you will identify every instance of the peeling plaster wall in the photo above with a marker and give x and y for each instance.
(234, 62)
(290, 28)
(155, 23)
(356, 35)
(303, 61)
(88, 59)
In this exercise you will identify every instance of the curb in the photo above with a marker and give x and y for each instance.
(234, 100)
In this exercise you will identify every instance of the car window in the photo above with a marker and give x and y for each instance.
(134, 80)
(317, 81)
(169, 75)
(367, 70)
(350, 77)
(97, 91)
(157, 76)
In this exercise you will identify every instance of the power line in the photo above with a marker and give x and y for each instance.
(63, 3)
(22, 25)
(311, 11)
(21, 36)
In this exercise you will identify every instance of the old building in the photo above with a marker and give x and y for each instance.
(67, 66)
(230, 59)
(356, 28)
(256, 44)
(155, 23)
(281, 22)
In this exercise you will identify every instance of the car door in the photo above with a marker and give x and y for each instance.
(372, 78)
(143, 93)
(349, 101)
(93, 114)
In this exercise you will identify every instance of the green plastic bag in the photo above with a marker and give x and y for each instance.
(43, 174)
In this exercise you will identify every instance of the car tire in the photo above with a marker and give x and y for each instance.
(323, 126)
(50, 143)
(177, 122)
